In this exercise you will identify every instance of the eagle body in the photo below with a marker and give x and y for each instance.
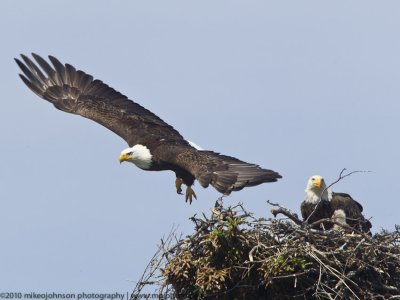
(154, 145)
(168, 155)
(313, 212)
(321, 203)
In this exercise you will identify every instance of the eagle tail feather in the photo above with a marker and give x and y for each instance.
(227, 174)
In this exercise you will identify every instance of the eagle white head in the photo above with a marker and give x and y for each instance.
(315, 186)
(139, 155)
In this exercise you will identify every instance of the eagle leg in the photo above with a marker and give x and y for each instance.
(178, 185)
(190, 194)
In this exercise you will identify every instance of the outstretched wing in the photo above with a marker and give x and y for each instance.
(78, 93)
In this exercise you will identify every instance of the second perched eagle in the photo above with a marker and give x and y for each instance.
(339, 207)
(153, 144)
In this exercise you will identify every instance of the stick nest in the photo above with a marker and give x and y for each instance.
(233, 255)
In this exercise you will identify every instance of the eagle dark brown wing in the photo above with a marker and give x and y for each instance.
(352, 209)
(78, 93)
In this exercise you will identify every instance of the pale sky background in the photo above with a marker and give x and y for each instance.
(301, 87)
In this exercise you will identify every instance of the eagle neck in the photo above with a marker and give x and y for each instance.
(313, 196)
(142, 157)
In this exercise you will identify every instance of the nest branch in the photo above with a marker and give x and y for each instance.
(232, 254)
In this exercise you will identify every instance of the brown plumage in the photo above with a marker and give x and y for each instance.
(313, 212)
(155, 145)
(352, 211)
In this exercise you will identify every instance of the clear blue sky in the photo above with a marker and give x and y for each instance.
(301, 87)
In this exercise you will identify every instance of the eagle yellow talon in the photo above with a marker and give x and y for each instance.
(190, 194)
(178, 185)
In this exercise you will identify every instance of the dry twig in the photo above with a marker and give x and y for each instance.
(232, 254)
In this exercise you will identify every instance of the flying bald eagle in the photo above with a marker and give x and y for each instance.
(153, 144)
(341, 207)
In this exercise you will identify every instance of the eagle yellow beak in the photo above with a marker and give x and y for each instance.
(124, 157)
(317, 182)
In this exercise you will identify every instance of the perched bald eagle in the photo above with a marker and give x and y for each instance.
(341, 207)
(153, 144)
(309, 209)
